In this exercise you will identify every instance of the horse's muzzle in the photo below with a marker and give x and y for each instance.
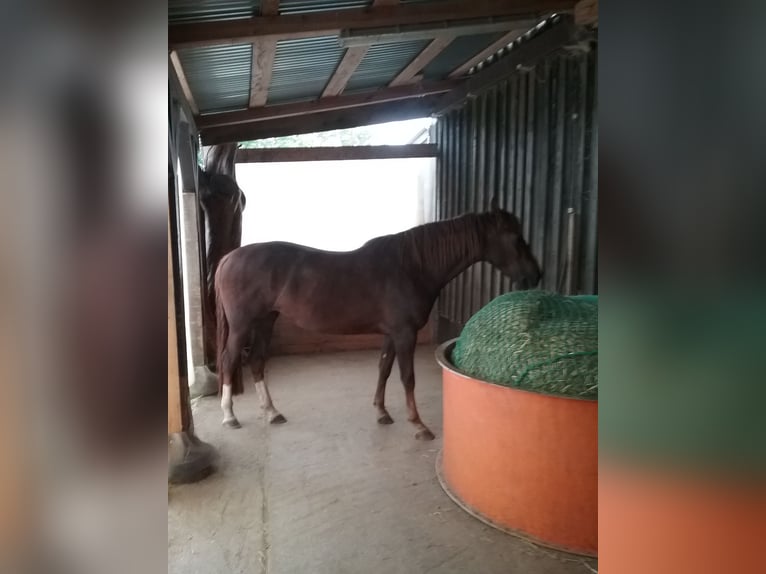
(529, 281)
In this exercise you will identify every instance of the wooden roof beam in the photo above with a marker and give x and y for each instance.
(323, 121)
(269, 7)
(348, 65)
(284, 154)
(407, 75)
(463, 68)
(264, 50)
(285, 26)
(562, 34)
(185, 88)
(282, 111)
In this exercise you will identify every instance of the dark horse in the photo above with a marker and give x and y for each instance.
(222, 203)
(388, 286)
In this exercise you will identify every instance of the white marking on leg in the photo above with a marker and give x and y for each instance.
(227, 404)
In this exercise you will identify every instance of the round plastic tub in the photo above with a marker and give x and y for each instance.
(525, 463)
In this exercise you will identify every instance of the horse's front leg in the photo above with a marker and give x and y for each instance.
(387, 356)
(404, 343)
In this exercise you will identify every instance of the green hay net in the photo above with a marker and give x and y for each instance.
(536, 341)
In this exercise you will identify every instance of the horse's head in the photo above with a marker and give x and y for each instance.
(507, 250)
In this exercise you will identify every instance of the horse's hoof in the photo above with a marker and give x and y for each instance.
(385, 419)
(231, 423)
(278, 419)
(424, 434)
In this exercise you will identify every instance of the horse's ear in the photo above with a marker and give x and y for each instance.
(494, 205)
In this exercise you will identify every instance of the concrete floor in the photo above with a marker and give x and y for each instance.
(331, 491)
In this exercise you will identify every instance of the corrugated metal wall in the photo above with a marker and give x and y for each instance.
(533, 141)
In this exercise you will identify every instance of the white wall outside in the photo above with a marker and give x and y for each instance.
(335, 205)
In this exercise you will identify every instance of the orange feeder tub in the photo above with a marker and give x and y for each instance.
(522, 462)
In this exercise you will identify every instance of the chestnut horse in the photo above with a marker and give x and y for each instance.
(387, 286)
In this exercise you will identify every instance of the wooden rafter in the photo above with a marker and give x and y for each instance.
(407, 75)
(351, 60)
(326, 104)
(563, 34)
(179, 69)
(336, 153)
(285, 26)
(269, 7)
(323, 121)
(264, 50)
(487, 52)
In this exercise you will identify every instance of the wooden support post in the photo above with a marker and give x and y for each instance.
(189, 459)
(175, 407)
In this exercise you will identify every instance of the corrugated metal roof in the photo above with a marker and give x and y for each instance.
(382, 63)
(540, 28)
(219, 77)
(180, 11)
(458, 51)
(305, 6)
(302, 68)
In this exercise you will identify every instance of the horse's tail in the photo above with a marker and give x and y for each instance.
(222, 325)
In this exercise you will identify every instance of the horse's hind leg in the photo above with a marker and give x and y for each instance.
(261, 339)
(405, 352)
(231, 364)
(387, 356)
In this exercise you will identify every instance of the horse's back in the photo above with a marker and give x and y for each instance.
(286, 266)
(318, 290)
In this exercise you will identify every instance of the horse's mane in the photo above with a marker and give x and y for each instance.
(434, 245)
(220, 159)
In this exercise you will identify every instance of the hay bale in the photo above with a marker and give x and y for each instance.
(534, 340)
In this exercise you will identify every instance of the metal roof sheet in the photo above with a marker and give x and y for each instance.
(540, 28)
(382, 63)
(180, 11)
(219, 76)
(302, 68)
(457, 52)
(306, 6)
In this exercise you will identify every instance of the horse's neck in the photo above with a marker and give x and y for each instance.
(466, 250)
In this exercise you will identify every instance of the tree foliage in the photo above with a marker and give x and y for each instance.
(334, 138)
